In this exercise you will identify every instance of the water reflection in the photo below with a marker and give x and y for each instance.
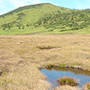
(54, 73)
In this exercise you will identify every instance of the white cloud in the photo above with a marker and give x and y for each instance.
(1, 4)
(1, 1)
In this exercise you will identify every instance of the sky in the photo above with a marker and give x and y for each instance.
(8, 5)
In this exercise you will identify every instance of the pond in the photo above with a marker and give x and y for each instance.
(54, 73)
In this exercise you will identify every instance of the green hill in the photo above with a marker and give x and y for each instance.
(46, 18)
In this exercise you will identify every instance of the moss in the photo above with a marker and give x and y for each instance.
(42, 67)
(50, 65)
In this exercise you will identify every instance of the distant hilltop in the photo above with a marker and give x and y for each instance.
(45, 15)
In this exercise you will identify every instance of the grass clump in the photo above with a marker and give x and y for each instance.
(45, 47)
(67, 81)
(87, 86)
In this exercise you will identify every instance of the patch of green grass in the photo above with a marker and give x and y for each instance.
(15, 31)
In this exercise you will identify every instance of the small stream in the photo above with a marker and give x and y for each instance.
(54, 73)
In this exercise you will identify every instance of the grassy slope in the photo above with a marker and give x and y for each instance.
(30, 15)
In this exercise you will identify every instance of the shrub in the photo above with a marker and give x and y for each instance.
(87, 86)
(67, 81)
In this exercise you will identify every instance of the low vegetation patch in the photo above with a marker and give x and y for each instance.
(0, 73)
(46, 47)
(64, 66)
(87, 86)
(67, 81)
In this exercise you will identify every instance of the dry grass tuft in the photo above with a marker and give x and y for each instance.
(87, 86)
(67, 81)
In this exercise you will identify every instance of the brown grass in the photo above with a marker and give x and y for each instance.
(66, 87)
(67, 81)
(20, 58)
(87, 86)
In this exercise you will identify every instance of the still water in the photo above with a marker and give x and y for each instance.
(54, 73)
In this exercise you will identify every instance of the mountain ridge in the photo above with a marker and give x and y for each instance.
(31, 6)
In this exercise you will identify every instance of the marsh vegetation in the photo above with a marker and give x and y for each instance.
(20, 59)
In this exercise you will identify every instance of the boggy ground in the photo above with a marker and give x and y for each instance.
(21, 56)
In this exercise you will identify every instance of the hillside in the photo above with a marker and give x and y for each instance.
(43, 17)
